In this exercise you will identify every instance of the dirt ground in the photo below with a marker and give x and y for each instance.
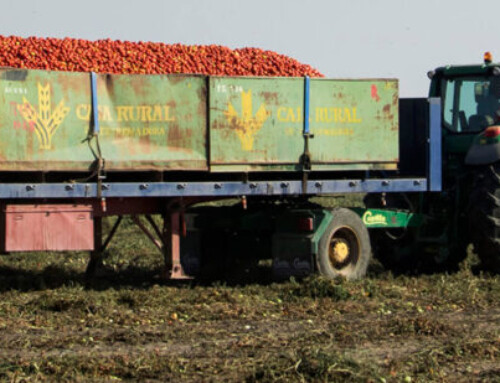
(132, 326)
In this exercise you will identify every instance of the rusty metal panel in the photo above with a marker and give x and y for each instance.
(147, 122)
(257, 124)
(250, 121)
(48, 227)
(160, 122)
(355, 123)
(154, 122)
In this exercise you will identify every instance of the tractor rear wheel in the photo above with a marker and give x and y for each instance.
(485, 216)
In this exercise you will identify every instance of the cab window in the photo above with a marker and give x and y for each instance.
(470, 104)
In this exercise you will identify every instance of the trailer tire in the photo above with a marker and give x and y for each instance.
(344, 249)
(485, 217)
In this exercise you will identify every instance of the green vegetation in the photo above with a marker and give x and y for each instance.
(133, 326)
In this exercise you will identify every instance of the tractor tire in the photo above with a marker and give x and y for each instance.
(344, 249)
(401, 251)
(484, 217)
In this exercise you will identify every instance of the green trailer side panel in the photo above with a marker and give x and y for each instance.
(247, 123)
(153, 122)
(257, 124)
(354, 122)
(160, 122)
(39, 129)
(147, 122)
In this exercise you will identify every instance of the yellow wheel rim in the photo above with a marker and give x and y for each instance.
(344, 248)
(340, 252)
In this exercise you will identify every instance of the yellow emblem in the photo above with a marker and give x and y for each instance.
(45, 120)
(247, 125)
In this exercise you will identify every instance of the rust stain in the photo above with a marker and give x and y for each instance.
(386, 114)
(174, 135)
(176, 149)
(30, 144)
(226, 126)
(145, 144)
(222, 127)
(395, 99)
(138, 84)
(202, 104)
(130, 146)
(271, 98)
(110, 84)
(339, 95)
(71, 84)
(175, 79)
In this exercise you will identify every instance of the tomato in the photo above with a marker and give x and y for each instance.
(115, 56)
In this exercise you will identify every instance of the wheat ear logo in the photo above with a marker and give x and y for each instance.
(247, 124)
(45, 120)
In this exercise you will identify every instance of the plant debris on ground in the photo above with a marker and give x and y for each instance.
(131, 325)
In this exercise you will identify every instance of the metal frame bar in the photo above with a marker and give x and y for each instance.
(112, 233)
(209, 189)
(435, 164)
(95, 112)
(155, 227)
(307, 99)
(158, 243)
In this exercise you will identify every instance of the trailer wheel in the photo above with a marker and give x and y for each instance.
(485, 217)
(344, 249)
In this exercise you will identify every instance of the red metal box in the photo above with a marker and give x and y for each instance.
(48, 227)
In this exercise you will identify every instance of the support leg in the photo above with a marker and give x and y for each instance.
(167, 252)
(96, 254)
(172, 248)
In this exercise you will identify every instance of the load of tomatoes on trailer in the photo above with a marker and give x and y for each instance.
(125, 57)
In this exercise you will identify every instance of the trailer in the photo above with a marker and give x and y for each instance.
(78, 147)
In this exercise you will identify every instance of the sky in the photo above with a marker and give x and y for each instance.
(401, 39)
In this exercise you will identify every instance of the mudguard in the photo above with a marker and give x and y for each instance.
(484, 150)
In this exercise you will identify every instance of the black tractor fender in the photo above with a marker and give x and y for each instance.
(483, 153)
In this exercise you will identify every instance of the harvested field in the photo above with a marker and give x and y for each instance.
(132, 326)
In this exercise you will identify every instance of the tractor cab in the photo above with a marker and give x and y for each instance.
(471, 110)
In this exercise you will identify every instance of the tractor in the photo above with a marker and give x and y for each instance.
(467, 210)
